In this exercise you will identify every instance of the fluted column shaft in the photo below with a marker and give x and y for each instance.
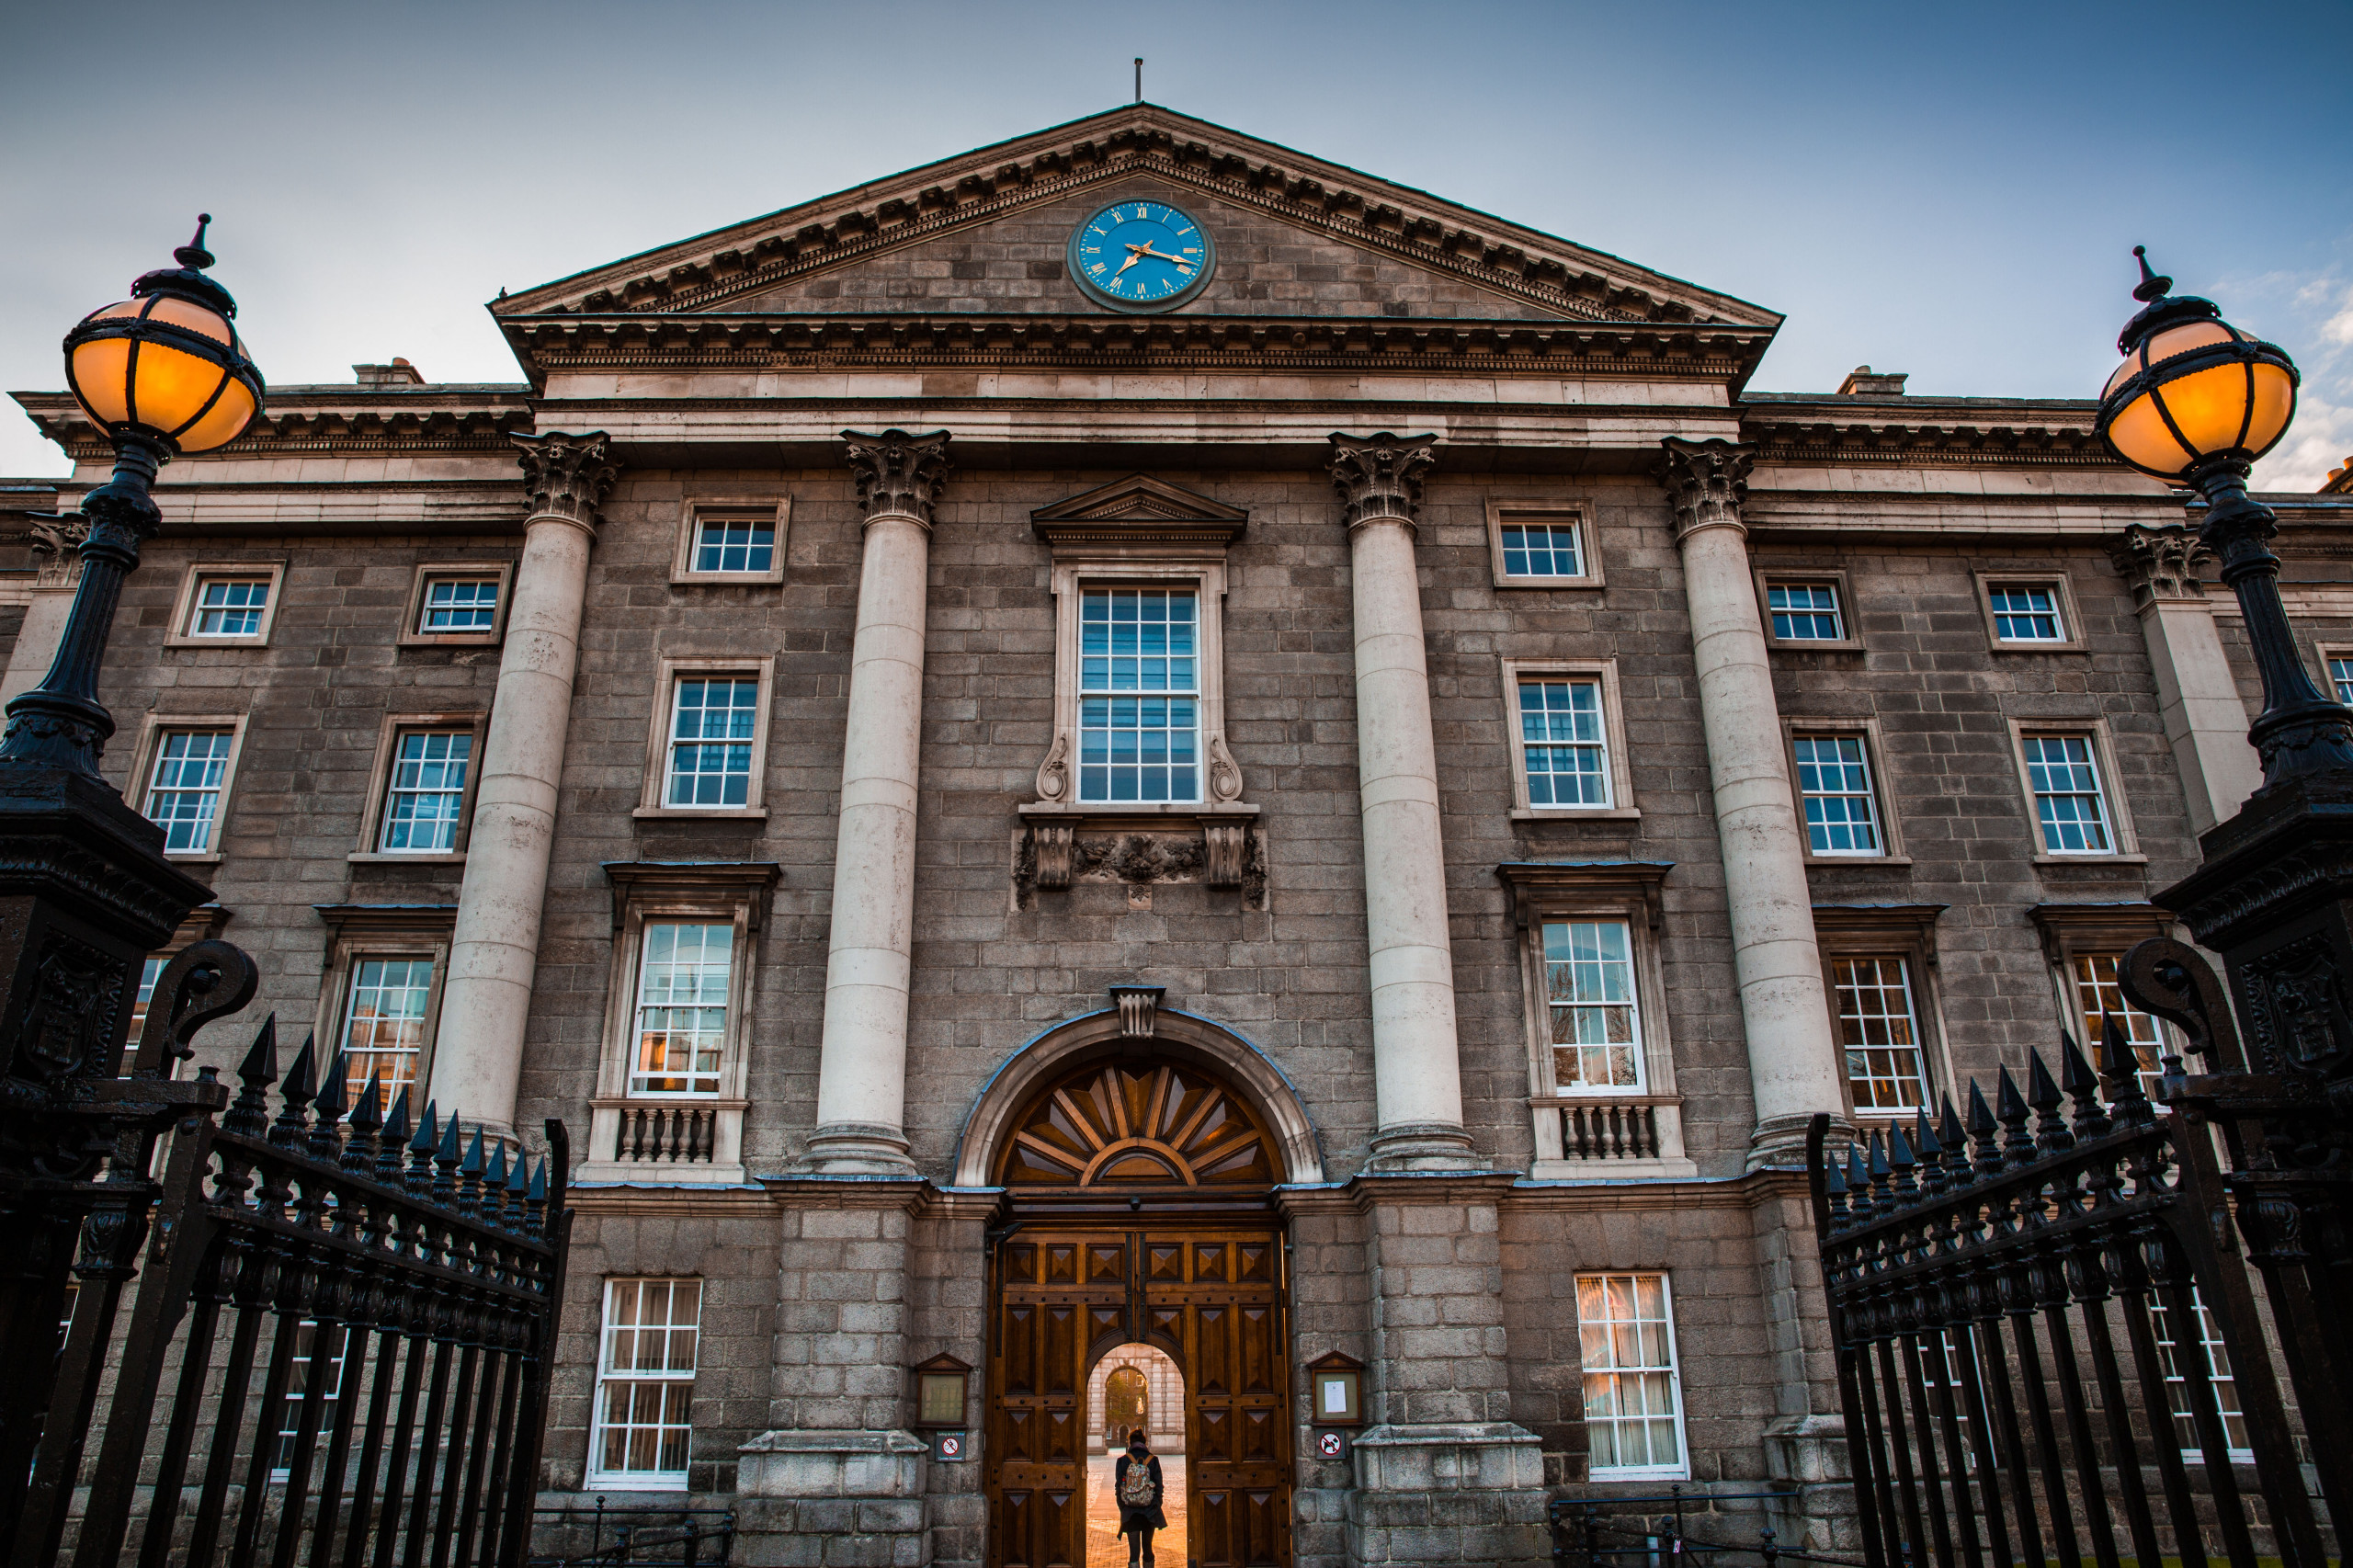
(861, 1073)
(2198, 693)
(1417, 1073)
(1794, 1065)
(493, 952)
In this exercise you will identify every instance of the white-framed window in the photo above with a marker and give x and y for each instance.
(1564, 741)
(1593, 1005)
(1139, 696)
(2070, 807)
(460, 604)
(186, 781)
(424, 797)
(1806, 612)
(1879, 1029)
(384, 1016)
(1567, 738)
(645, 1383)
(684, 978)
(1834, 774)
(2030, 612)
(713, 721)
(229, 606)
(2027, 614)
(737, 540)
(2340, 679)
(2219, 1374)
(735, 545)
(299, 1369)
(226, 604)
(1543, 545)
(706, 746)
(2100, 997)
(1633, 1392)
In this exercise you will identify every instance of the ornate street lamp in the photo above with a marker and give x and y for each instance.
(2195, 403)
(162, 373)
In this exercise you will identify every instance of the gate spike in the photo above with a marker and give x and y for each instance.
(1956, 1143)
(367, 1129)
(445, 1165)
(2018, 1147)
(2122, 1065)
(1985, 1148)
(1931, 1151)
(2076, 1075)
(1834, 1193)
(517, 1184)
(493, 1187)
(535, 1200)
(302, 1083)
(326, 1141)
(1901, 1162)
(390, 1141)
(418, 1179)
(249, 1116)
(1882, 1176)
(2051, 1134)
(469, 1176)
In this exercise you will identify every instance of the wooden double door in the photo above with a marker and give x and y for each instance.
(1211, 1299)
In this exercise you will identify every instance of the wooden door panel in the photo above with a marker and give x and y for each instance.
(1262, 1521)
(1255, 1437)
(1057, 1355)
(1256, 1350)
(1213, 1525)
(1214, 1367)
(1106, 1261)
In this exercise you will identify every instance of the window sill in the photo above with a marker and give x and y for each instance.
(1577, 814)
(1171, 812)
(728, 579)
(2091, 859)
(1897, 862)
(383, 857)
(1577, 583)
(634, 1482)
(2000, 647)
(449, 640)
(1814, 645)
(187, 641)
(700, 813)
(193, 856)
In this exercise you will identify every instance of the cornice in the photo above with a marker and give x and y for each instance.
(1714, 352)
(1978, 432)
(319, 421)
(1140, 139)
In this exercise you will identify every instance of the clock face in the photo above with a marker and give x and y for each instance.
(1142, 255)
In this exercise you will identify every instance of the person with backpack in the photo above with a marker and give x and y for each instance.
(1135, 1481)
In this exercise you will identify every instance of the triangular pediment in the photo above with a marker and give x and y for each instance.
(984, 232)
(1139, 509)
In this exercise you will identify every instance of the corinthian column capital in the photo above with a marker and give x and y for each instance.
(899, 476)
(2160, 565)
(1379, 478)
(569, 476)
(1706, 481)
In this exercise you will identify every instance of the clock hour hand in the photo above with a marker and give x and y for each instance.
(1135, 254)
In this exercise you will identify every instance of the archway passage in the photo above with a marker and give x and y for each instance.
(1136, 1388)
(1139, 1198)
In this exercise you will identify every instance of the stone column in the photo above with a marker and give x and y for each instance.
(1794, 1065)
(478, 1053)
(2205, 721)
(1418, 1077)
(861, 1073)
(57, 571)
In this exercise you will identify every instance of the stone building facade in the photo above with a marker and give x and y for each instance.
(1576, 772)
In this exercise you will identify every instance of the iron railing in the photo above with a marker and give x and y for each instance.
(395, 1286)
(2020, 1304)
(1596, 1532)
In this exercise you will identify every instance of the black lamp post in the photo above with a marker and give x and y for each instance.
(2195, 403)
(85, 891)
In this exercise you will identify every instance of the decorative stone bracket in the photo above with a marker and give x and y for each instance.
(1219, 846)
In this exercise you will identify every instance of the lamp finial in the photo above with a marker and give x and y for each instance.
(193, 255)
(2154, 285)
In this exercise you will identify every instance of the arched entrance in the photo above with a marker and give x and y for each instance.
(1138, 1211)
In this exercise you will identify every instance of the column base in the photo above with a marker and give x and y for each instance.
(1448, 1493)
(1779, 1142)
(856, 1496)
(1424, 1146)
(855, 1148)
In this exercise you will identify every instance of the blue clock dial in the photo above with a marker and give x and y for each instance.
(1142, 255)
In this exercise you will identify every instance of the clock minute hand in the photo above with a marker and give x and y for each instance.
(1177, 261)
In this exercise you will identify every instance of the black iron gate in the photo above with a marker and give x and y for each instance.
(340, 1321)
(2048, 1345)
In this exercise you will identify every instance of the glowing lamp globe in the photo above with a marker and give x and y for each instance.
(165, 366)
(2193, 389)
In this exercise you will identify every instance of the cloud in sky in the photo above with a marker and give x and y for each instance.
(1948, 191)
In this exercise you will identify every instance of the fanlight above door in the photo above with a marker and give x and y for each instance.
(1155, 1126)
